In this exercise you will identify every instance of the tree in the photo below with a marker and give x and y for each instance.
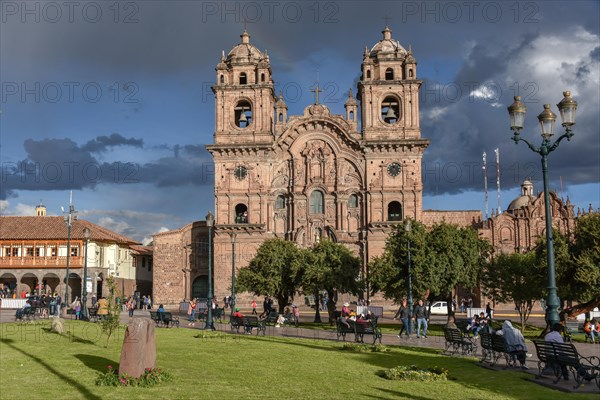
(331, 267)
(584, 277)
(563, 265)
(388, 273)
(515, 277)
(275, 270)
(455, 256)
(111, 322)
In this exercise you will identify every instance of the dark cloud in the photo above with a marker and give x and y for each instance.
(103, 143)
(61, 164)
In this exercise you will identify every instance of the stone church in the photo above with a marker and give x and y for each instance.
(316, 175)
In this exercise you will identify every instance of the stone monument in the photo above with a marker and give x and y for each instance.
(139, 348)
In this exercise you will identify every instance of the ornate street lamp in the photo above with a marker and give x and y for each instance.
(232, 304)
(70, 217)
(407, 229)
(86, 234)
(210, 219)
(547, 118)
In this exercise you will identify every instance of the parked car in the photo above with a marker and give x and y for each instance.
(439, 308)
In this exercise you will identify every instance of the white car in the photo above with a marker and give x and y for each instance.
(439, 308)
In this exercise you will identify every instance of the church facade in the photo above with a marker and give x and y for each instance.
(316, 175)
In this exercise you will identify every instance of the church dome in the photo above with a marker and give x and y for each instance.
(387, 45)
(519, 202)
(244, 52)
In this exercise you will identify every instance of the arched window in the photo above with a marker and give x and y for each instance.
(262, 77)
(390, 110)
(368, 74)
(351, 115)
(280, 117)
(243, 114)
(280, 202)
(317, 202)
(394, 211)
(243, 78)
(410, 73)
(241, 214)
(389, 74)
(353, 201)
(222, 79)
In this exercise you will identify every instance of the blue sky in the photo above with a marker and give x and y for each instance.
(114, 102)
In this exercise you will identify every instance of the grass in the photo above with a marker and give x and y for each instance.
(221, 366)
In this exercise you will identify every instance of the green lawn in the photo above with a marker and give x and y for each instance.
(36, 364)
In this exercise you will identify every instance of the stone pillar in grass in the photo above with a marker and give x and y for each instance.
(139, 348)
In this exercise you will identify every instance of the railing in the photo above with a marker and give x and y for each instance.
(41, 261)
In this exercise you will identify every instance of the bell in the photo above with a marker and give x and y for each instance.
(243, 118)
(390, 115)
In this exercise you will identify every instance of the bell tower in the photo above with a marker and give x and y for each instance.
(389, 91)
(244, 96)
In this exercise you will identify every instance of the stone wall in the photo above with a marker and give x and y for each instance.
(460, 218)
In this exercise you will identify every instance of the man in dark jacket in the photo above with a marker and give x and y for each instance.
(421, 316)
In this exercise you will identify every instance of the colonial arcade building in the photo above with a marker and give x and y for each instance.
(316, 175)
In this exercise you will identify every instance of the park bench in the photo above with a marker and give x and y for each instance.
(581, 367)
(93, 314)
(271, 319)
(341, 329)
(500, 349)
(168, 319)
(455, 342)
(360, 330)
(572, 327)
(252, 322)
(71, 312)
(545, 353)
(487, 350)
(236, 323)
(154, 317)
(217, 314)
(27, 313)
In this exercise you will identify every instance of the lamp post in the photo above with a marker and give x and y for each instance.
(86, 235)
(547, 118)
(407, 229)
(69, 217)
(210, 219)
(232, 304)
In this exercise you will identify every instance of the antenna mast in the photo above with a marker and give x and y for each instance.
(485, 184)
(497, 151)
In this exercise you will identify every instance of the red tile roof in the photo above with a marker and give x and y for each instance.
(141, 250)
(54, 228)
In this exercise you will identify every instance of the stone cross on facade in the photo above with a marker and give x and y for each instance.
(316, 92)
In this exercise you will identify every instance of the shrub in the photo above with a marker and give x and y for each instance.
(414, 373)
(150, 377)
(364, 348)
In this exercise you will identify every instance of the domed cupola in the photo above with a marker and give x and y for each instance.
(524, 199)
(387, 48)
(244, 53)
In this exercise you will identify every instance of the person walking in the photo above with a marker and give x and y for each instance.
(296, 312)
(420, 314)
(403, 314)
(254, 307)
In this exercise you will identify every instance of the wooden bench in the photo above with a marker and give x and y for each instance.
(154, 317)
(581, 367)
(499, 349)
(487, 350)
(26, 313)
(93, 314)
(168, 319)
(252, 322)
(236, 323)
(545, 353)
(341, 329)
(362, 329)
(572, 327)
(455, 342)
(272, 318)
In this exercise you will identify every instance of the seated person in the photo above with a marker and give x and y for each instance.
(555, 336)
(515, 343)
(451, 324)
(237, 313)
(19, 314)
(590, 329)
(361, 319)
